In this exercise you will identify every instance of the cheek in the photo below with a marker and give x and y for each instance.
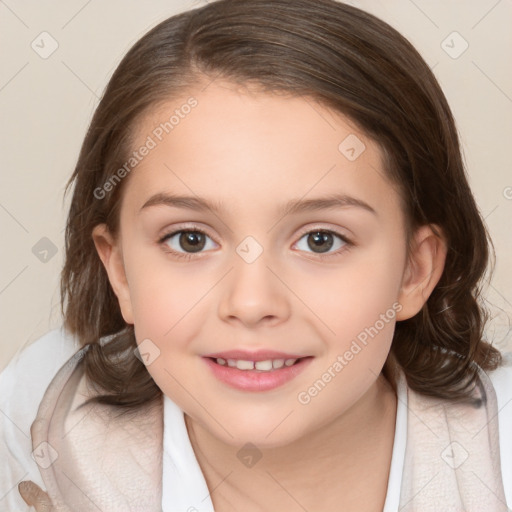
(361, 313)
(165, 304)
(355, 295)
(161, 294)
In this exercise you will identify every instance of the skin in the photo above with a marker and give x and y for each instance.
(251, 152)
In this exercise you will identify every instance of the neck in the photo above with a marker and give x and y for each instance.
(338, 467)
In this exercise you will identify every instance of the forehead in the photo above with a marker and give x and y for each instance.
(241, 145)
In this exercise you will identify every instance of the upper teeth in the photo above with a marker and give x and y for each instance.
(269, 364)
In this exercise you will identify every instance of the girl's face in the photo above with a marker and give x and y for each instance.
(296, 244)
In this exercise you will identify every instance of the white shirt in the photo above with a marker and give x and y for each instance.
(25, 379)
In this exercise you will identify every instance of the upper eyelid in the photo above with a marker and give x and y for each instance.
(197, 227)
(180, 229)
(336, 231)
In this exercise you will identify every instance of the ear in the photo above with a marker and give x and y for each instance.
(109, 251)
(424, 268)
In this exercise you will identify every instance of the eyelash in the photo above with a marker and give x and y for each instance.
(187, 256)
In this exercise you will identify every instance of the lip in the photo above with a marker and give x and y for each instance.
(258, 355)
(256, 380)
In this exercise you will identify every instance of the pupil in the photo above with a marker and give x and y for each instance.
(319, 238)
(192, 241)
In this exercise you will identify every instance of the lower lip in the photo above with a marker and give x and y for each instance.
(257, 380)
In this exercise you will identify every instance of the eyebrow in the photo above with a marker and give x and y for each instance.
(291, 207)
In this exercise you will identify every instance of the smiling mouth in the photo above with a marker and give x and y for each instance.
(268, 365)
(256, 376)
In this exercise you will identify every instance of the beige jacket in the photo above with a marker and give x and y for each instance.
(93, 458)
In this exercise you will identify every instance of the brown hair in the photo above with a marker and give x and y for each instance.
(345, 59)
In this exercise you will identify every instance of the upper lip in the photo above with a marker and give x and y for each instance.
(259, 355)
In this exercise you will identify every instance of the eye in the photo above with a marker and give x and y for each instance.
(186, 241)
(321, 241)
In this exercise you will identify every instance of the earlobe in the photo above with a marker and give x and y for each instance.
(109, 251)
(423, 270)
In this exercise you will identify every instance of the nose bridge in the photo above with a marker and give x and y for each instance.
(252, 293)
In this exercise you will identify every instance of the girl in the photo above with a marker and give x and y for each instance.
(273, 261)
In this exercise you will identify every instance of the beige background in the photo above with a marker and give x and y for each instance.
(46, 105)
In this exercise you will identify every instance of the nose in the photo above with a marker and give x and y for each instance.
(253, 294)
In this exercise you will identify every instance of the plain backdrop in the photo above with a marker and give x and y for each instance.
(47, 100)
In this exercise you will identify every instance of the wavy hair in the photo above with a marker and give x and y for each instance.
(347, 60)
